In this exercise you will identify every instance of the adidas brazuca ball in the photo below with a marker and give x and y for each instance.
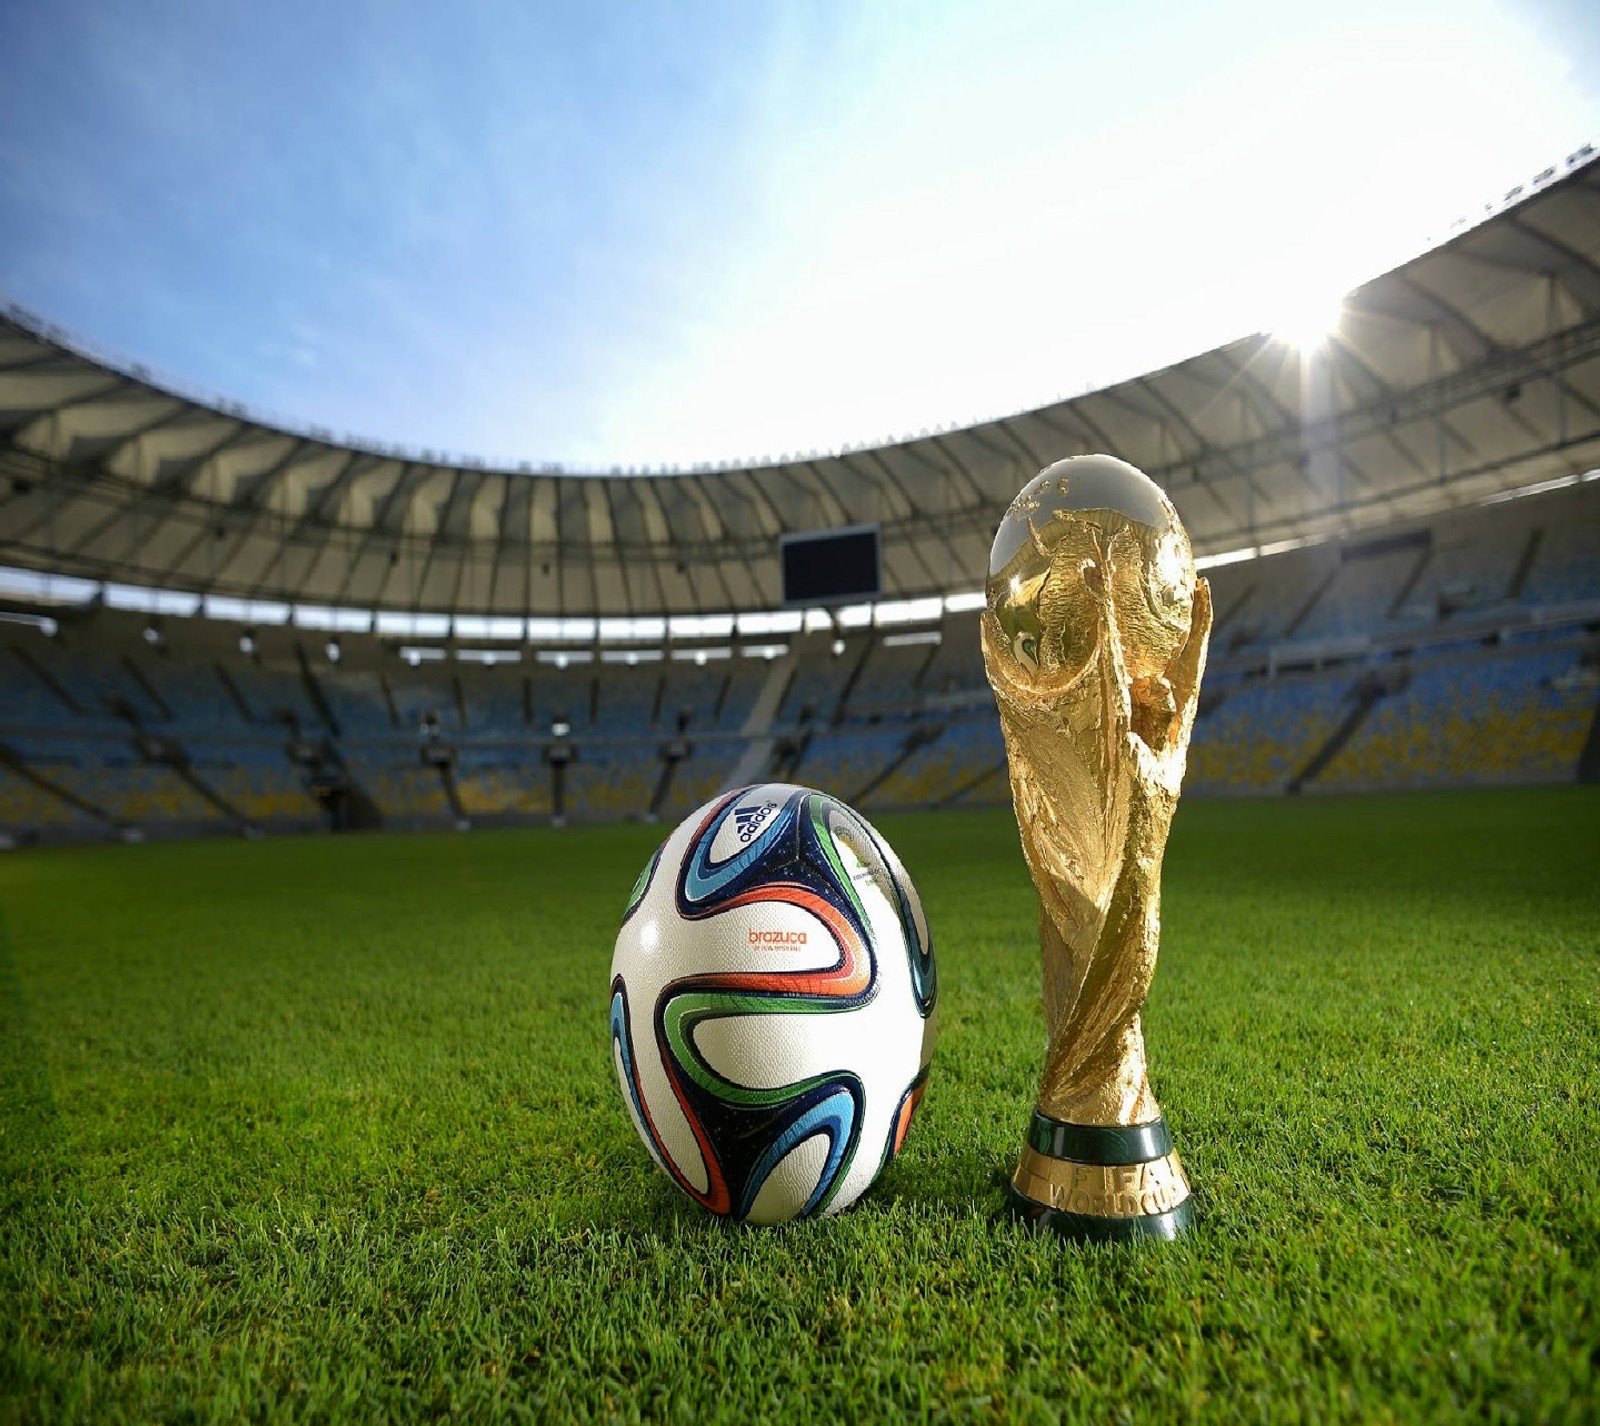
(772, 1004)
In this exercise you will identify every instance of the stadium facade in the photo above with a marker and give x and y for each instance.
(215, 623)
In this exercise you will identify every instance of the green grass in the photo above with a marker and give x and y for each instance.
(329, 1128)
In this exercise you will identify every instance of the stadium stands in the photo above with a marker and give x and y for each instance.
(1257, 736)
(691, 692)
(699, 777)
(361, 705)
(1361, 591)
(612, 781)
(257, 781)
(1510, 716)
(25, 805)
(497, 704)
(1454, 651)
(501, 781)
(814, 691)
(1567, 567)
(955, 758)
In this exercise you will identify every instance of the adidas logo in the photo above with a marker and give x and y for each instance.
(750, 820)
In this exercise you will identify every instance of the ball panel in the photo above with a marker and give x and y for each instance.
(913, 927)
(641, 884)
(622, 1053)
(728, 844)
(904, 1112)
(672, 1131)
(831, 1117)
(768, 1048)
(791, 1184)
(753, 819)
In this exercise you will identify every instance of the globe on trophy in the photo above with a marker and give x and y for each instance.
(1094, 641)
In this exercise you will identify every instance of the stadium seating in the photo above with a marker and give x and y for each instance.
(1257, 604)
(502, 781)
(406, 791)
(1459, 653)
(418, 700)
(625, 701)
(1518, 717)
(562, 695)
(612, 781)
(940, 770)
(696, 780)
(1360, 593)
(257, 780)
(1260, 735)
(24, 806)
(738, 693)
(692, 691)
(99, 687)
(26, 700)
(361, 706)
(957, 663)
(849, 760)
(889, 679)
(273, 694)
(496, 704)
(814, 691)
(190, 695)
(1568, 564)
(1519, 710)
(115, 779)
(1468, 570)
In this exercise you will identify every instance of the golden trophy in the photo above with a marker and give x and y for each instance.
(1094, 640)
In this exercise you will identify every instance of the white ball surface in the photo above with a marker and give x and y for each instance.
(773, 1004)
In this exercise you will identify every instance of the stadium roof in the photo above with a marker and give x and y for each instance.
(1473, 369)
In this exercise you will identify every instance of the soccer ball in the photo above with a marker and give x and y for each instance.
(772, 1004)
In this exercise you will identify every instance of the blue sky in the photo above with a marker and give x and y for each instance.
(643, 232)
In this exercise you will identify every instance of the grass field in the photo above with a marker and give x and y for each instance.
(329, 1128)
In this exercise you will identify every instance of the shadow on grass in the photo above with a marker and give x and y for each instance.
(952, 1186)
(971, 1180)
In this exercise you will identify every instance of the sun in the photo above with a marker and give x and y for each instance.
(1309, 324)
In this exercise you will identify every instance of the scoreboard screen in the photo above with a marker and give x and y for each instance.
(831, 566)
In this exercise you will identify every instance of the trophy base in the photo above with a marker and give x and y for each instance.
(1101, 1183)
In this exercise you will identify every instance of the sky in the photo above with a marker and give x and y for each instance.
(648, 233)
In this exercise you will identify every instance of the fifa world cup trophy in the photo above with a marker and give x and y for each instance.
(1094, 640)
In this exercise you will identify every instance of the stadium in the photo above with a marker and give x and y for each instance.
(219, 626)
(303, 1123)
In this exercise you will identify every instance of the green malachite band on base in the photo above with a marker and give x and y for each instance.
(1101, 1183)
(1090, 1228)
(1099, 1143)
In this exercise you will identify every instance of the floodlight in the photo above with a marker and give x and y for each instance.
(42, 622)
